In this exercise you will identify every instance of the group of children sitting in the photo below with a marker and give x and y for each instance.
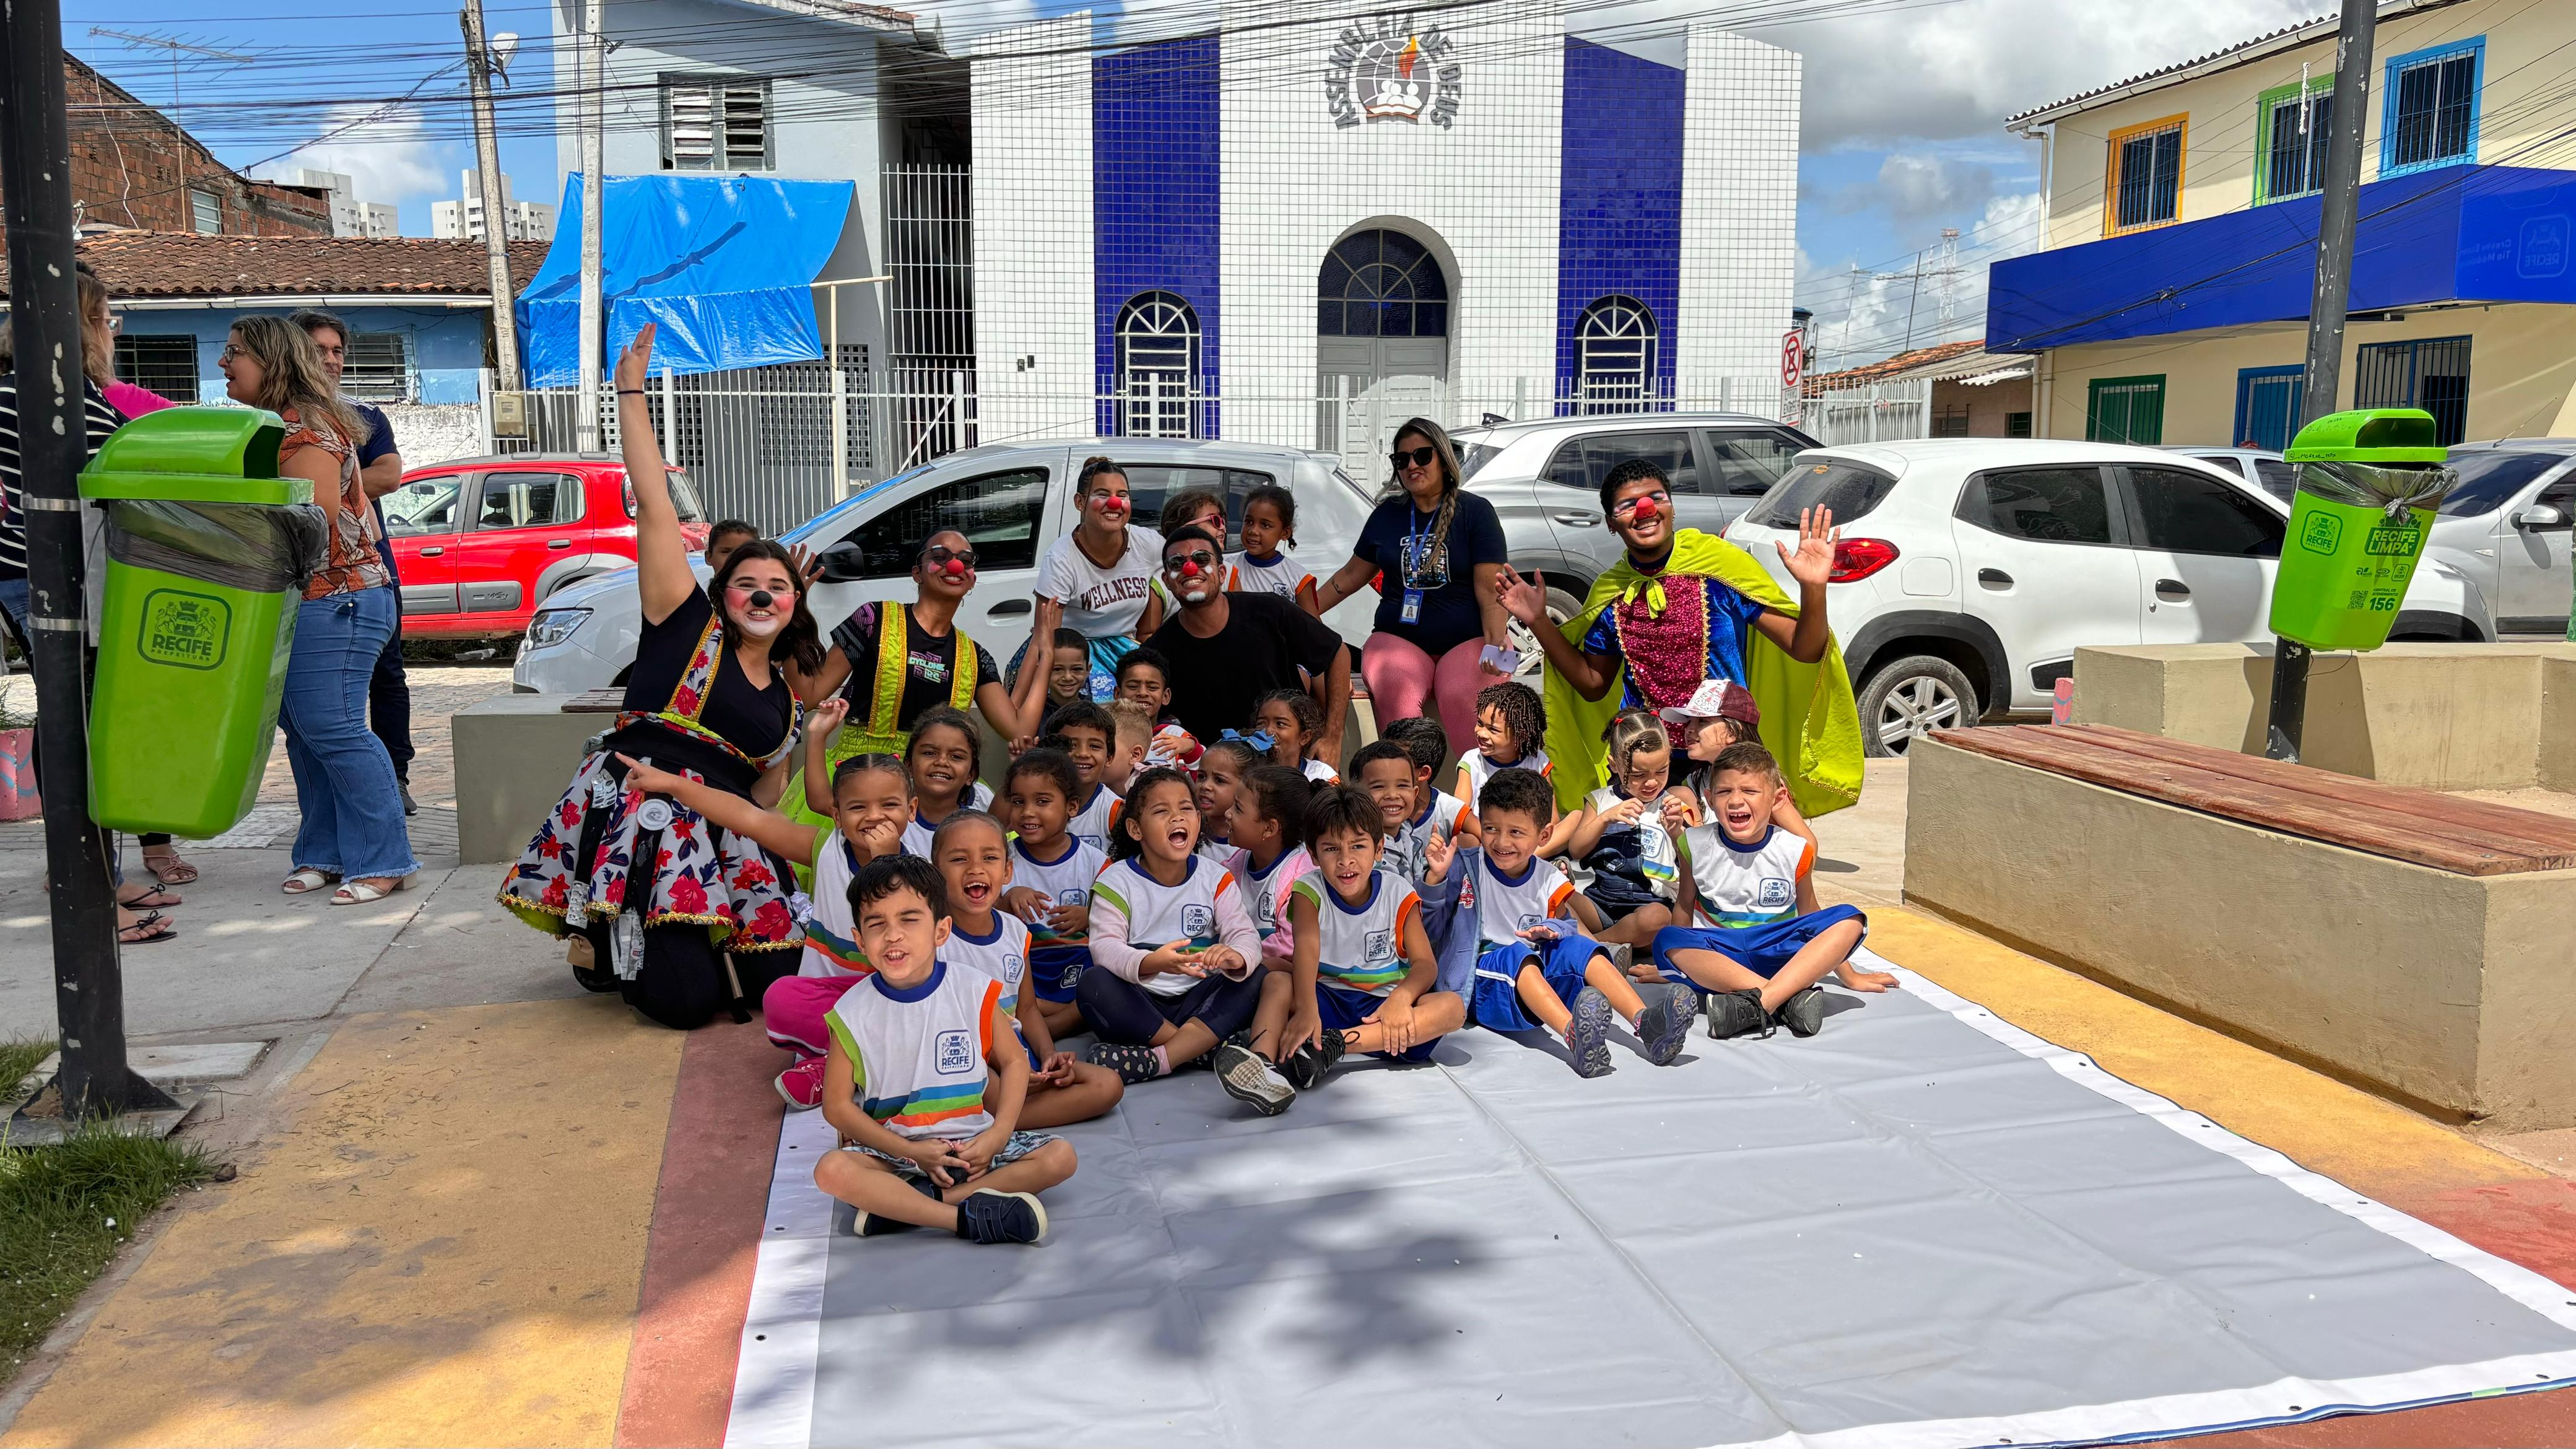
(1237, 905)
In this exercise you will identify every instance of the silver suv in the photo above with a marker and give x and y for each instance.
(1544, 478)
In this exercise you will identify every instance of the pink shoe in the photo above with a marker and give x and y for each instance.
(802, 1084)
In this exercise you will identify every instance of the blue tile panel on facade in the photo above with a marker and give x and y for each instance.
(1620, 222)
(1154, 158)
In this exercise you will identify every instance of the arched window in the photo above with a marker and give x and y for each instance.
(1158, 366)
(1381, 284)
(1614, 355)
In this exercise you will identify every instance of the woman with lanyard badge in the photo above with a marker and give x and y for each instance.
(896, 662)
(1441, 631)
(712, 696)
(1103, 575)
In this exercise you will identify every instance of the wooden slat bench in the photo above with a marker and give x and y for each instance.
(596, 701)
(2424, 827)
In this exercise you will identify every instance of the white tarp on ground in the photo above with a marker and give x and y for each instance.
(1922, 1227)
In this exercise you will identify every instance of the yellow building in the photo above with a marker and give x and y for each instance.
(2170, 304)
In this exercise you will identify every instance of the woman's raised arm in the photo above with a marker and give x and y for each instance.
(662, 570)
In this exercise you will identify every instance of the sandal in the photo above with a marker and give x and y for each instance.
(152, 898)
(168, 868)
(307, 879)
(359, 892)
(152, 926)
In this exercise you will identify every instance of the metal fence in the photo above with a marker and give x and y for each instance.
(776, 445)
(1880, 412)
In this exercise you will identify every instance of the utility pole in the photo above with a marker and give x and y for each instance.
(53, 442)
(479, 67)
(594, 124)
(2339, 212)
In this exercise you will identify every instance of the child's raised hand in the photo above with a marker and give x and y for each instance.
(648, 779)
(1437, 852)
(825, 719)
(879, 838)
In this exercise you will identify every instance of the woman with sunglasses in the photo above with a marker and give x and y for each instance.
(656, 892)
(896, 662)
(1440, 556)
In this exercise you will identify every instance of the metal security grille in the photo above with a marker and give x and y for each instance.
(2150, 177)
(1158, 361)
(2431, 373)
(1615, 354)
(930, 306)
(164, 364)
(378, 367)
(2297, 161)
(711, 124)
(2435, 99)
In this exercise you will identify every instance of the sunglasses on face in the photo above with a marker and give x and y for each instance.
(1626, 506)
(1204, 559)
(938, 555)
(1414, 457)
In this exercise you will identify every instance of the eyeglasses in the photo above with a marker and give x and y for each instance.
(940, 554)
(233, 350)
(1414, 458)
(1204, 559)
(1626, 506)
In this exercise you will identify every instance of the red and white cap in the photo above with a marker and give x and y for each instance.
(1716, 699)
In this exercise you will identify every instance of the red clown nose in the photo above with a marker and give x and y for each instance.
(1645, 512)
(1189, 568)
(956, 568)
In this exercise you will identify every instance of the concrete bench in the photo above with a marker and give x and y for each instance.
(2412, 941)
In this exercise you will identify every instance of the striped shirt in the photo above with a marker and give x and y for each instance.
(102, 420)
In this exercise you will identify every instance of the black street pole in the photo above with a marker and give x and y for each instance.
(53, 443)
(2340, 210)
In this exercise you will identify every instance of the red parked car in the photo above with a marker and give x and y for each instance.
(480, 542)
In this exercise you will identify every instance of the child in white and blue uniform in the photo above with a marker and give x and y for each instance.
(1759, 941)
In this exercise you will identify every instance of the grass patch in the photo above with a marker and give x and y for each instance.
(67, 1208)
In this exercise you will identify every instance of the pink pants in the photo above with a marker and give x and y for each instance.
(1403, 680)
(793, 1009)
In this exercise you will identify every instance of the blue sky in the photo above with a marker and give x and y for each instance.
(1903, 111)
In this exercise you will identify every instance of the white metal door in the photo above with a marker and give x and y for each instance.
(2041, 564)
(2207, 555)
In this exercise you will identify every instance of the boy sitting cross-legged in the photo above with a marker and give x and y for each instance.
(1501, 906)
(1761, 943)
(974, 862)
(1364, 978)
(925, 1080)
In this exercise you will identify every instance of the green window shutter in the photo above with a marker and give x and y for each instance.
(2125, 410)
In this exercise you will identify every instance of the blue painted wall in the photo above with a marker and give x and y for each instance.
(1154, 181)
(1620, 226)
(446, 345)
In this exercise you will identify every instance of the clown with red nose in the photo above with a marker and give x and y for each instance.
(1684, 608)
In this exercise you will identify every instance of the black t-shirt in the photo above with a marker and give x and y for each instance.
(1265, 641)
(1398, 536)
(929, 673)
(754, 721)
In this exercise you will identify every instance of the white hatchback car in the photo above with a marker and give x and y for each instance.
(1972, 569)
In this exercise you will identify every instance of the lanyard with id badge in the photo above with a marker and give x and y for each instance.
(1419, 545)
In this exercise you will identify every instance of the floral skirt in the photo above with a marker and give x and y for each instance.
(700, 874)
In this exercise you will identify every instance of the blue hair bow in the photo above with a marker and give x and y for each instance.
(1259, 739)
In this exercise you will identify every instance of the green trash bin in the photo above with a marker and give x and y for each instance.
(2369, 482)
(207, 554)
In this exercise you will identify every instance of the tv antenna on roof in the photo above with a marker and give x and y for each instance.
(176, 48)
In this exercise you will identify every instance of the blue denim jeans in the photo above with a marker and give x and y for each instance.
(14, 598)
(344, 781)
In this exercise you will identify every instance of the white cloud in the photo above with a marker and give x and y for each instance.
(1921, 184)
(391, 157)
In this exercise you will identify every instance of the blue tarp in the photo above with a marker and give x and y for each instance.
(2459, 233)
(724, 263)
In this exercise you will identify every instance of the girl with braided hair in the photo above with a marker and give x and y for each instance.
(1439, 556)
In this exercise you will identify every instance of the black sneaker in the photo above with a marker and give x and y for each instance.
(1804, 1013)
(1248, 1079)
(866, 1225)
(1663, 1028)
(1133, 1064)
(403, 788)
(1307, 1065)
(1588, 1035)
(1001, 1217)
(1737, 1013)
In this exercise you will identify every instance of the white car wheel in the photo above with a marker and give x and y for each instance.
(1910, 698)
